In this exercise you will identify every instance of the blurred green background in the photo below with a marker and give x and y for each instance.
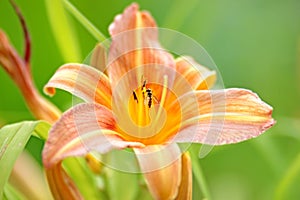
(254, 43)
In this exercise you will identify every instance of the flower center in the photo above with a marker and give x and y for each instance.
(150, 121)
(143, 103)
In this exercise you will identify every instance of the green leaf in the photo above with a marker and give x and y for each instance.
(80, 173)
(13, 139)
(100, 37)
(11, 193)
(66, 38)
(41, 131)
(115, 179)
(144, 193)
(198, 172)
(122, 185)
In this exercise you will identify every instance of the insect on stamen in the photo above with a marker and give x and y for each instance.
(149, 97)
(135, 97)
(147, 93)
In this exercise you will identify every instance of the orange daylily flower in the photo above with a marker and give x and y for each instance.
(148, 101)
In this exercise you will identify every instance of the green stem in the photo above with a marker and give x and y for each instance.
(199, 175)
(84, 21)
(61, 27)
(288, 179)
(78, 171)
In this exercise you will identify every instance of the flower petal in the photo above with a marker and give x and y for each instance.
(62, 187)
(19, 71)
(12, 62)
(134, 43)
(163, 179)
(99, 57)
(83, 81)
(84, 128)
(186, 185)
(224, 117)
(199, 77)
(131, 18)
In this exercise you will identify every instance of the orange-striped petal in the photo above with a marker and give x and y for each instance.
(19, 71)
(186, 185)
(224, 117)
(134, 43)
(130, 19)
(163, 179)
(62, 187)
(83, 81)
(84, 128)
(199, 77)
(99, 57)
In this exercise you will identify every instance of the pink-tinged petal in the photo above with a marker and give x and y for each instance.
(19, 71)
(83, 81)
(186, 185)
(62, 187)
(134, 43)
(198, 76)
(163, 178)
(130, 19)
(224, 117)
(12, 63)
(84, 128)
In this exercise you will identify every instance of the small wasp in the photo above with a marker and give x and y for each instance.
(147, 95)
(135, 97)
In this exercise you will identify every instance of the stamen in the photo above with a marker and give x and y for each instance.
(144, 112)
(146, 116)
(162, 100)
